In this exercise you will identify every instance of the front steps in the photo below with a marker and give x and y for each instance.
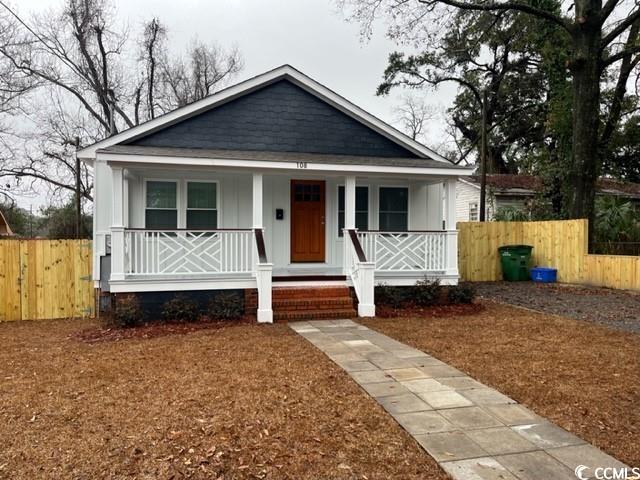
(312, 303)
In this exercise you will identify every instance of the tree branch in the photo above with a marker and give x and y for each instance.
(514, 6)
(620, 28)
(606, 62)
(627, 66)
(607, 9)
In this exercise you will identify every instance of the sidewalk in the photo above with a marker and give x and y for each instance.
(473, 431)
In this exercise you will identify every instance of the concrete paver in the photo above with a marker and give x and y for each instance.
(470, 418)
(423, 422)
(547, 435)
(500, 440)
(406, 403)
(445, 399)
(447, 446)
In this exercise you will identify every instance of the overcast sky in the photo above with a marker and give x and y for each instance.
(311, 35)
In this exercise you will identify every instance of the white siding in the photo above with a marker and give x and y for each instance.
(465, 195)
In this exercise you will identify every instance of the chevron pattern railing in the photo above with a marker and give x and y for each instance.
(187, 252)
(405, 251)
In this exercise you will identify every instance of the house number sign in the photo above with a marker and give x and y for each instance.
(302, 164)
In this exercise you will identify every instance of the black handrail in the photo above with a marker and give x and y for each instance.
(262, 253)
(356, 245)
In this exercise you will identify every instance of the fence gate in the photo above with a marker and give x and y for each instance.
(43, 279)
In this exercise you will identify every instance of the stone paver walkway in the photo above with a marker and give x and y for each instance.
(471, 430)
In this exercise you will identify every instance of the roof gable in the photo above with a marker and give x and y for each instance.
(230, 93)
(279, 117)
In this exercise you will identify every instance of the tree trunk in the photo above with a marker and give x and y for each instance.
(584, 169)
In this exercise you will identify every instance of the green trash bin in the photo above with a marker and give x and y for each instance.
(515, 262)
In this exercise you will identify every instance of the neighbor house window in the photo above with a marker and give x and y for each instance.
(394, 209)
(202, 205)
(473, 212)
(362, 209)
(161, 210)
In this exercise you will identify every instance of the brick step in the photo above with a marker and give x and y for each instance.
(321, 303)
(308, 292)
(314, 314)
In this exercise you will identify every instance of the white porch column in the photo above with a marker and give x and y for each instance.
(117, 224)
(366, 304)
(450, 227)
(257, 200)
(350, 202)
(349, 217)
(263, 279)
(263, 271)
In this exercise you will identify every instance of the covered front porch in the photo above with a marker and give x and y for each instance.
(212, 227)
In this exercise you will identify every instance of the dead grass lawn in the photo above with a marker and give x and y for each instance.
(244, 401)
(584, 377)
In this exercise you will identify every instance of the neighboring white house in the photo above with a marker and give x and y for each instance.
(275, 181)
(519, 192)
(503, 191)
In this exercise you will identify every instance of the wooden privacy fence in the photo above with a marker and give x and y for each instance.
(41, 279)
(559, 244)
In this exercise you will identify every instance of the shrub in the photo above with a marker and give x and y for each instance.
(463, 293)
(393, 297)
(127, 312)
(180, 309)
(427, 292)
(226, 306)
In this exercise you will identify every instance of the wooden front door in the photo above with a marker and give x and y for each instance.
(307, 220)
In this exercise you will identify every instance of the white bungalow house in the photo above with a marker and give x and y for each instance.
(273, 183)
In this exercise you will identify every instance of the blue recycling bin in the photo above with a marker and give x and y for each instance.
(544, 274)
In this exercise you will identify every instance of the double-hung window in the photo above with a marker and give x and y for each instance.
(164, 210)
(473, 212)
(394, 209)
(161, 210)
(362, 209)
(202, 206)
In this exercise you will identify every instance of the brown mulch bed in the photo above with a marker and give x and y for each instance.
(100, 333)
(245, 401)
(439, 311)
(584, 377)
(612, 308)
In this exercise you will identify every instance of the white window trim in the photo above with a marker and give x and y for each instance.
(368, 187)
(181, 199)
(406, 187)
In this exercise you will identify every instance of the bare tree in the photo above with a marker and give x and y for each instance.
(154, 56)
(66, 78)
(413, 115)
(204, 70)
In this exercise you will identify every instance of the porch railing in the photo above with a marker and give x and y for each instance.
(411, 251)
(360, 272)
(264, 273)
(188, 252)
